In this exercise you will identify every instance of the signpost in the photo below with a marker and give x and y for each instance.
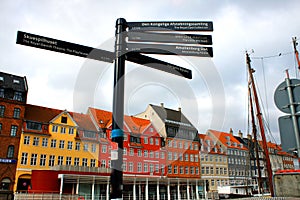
(132, 52)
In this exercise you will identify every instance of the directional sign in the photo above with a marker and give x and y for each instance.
(170, 49)
(158, 64)
(167, 26)
(64, 47)
(169, 38)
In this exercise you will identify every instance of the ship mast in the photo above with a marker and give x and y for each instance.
(254, 132)
(296, 51)
(261, 125)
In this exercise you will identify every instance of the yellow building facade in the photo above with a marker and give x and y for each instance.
(66, 140)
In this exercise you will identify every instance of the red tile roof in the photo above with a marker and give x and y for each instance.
(102, 117)
(84, 121)
(227, 139)
(40, 114)
(136, 125)
(204, 138)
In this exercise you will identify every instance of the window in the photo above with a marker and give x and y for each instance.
(1, 93)
(54, 128)
(10, 151)
(186, 170)
(93, 163)
(33, 125)
(43, 160)
(186, 157)
(180, 145)
(162, 155)
(93, 148)
(135, 139)
(145, 167)
(26, 139)
(64, 120)
(139, 167)
(15, 81)
(181, 170)
(13, 130)
(139, 152)
(124, 151)
(85, 147)
(197, 170)
(169, 143)
(2, 111)
(131, 152)
(151, 168)
(175, 169)
(77, 147)
(84, 161)
(24, 158)
(60, 160)
(104, 149)
(103, 163)
(145, 140)
(162, 169)
(169, 155)
(18, 96)
(36, 141)
(146, 153)
(33, 159)
(169, 169)
(191, 157)
(157, 168)
(76, 161)
(69, 160)
(196, 158)
(53, 143)
(202, 170)
(45, 142)
(62, 129)
(151, 154)
(151, 141)
(174, 144)
(70, 145)
(17, 112)
(124, 166)
(131, 166)
(71, 131)
(211, 170)
(175, 155)
(192, 170)
(156, 141)
(61, 144)
(51, 160)
(157, 154)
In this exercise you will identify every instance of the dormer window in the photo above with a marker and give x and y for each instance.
(15, 81)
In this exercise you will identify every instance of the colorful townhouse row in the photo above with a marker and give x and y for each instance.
(46, 150)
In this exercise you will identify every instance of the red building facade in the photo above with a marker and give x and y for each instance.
(13, 97)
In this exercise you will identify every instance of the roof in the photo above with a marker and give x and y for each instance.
(102, 117)
(84, 121)
(204, 143)
(104, 120)
(135, 124)
(40, 114)
(173, 117)
(227, 139)
(14, 82)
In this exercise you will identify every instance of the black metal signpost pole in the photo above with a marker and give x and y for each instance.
(116, 177)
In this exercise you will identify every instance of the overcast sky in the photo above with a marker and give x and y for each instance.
(216, 97)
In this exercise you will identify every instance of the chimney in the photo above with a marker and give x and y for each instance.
(240, 134)
(231, 131)
(249, 137)
(162, 104)
(179, 109)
